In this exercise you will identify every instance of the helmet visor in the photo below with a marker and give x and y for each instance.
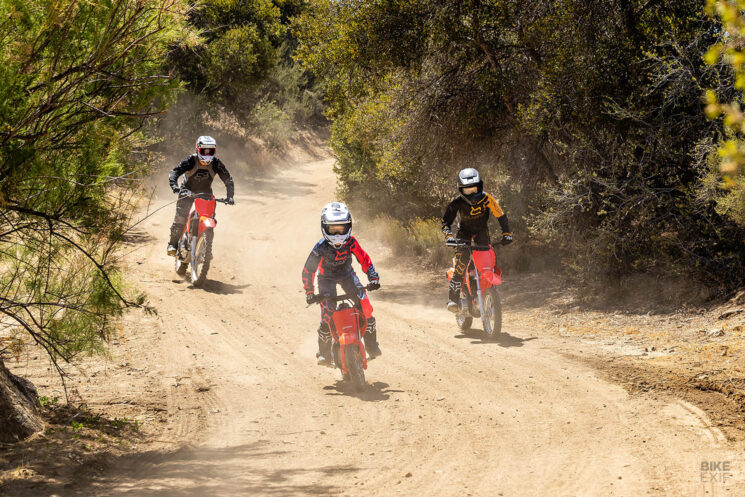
(206, 151)
(337, 229)
(470, 190)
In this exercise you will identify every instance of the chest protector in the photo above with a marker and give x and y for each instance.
(199, 177)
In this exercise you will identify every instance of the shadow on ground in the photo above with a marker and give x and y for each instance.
(196, 472)
(220, 288)
(503, 339)
(373, 392)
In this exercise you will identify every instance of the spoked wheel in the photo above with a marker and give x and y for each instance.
(354, 366)
(464, 322)
(200, 263)
(492, 317)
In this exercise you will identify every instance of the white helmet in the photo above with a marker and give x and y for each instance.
(206, 149)
(469, 180)
(336, 223)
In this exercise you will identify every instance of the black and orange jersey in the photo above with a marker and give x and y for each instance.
(473, 219)
(333, 263)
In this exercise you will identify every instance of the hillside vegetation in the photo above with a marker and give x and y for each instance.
(585, 117)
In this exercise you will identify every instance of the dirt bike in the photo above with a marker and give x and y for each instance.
(349, 326)
(195, 245)
(479, 295)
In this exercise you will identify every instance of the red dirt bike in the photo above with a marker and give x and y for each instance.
(479, 295)
(195, 244)
(348, 330)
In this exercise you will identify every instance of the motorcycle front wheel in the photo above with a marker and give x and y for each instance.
(354, 366)
(200, 263)
(492, 315)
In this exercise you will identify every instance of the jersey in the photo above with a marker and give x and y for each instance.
(474, 218)
(335, 264)
(198, 177)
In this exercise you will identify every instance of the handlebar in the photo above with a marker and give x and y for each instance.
(203, 196)
(318, 298)
(469, 246)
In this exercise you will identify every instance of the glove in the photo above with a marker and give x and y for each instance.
(374, 284)
(506, 238)
(184, 192)
(450, 239)
(230, 201)
(310, 298)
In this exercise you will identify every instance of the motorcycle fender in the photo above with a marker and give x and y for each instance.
(206, 223)
(490, 279)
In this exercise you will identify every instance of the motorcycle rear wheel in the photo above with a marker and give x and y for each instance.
(200, 263)
(354, 366)
(492, 317)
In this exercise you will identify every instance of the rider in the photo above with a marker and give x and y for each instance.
(199, 169)
(332, 258)
(473, 207)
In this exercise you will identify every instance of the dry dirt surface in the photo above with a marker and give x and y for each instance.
(247, 412)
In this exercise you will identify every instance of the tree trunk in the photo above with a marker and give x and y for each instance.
(19, 407)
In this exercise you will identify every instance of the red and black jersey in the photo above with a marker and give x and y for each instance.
(336, 264)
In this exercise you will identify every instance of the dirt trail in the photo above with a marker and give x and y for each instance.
(444, 415)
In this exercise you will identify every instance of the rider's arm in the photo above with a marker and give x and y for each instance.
(447, 219)
(309, 270)
(499, 214)
(225, 176)
(364, 260)
(177, 171)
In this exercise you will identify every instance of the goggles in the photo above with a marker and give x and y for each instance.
(337, 229)
(206, 151)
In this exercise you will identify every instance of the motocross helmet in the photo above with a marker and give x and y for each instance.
(470, 185)
(336, 223)
(206, 149)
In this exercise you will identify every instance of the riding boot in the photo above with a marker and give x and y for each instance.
(323, 355)
(371, 339)
(175, 234)
(454, 296)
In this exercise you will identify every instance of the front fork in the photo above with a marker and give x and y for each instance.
(478, 291)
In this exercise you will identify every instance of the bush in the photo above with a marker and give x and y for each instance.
(271, 123)
(420, 238)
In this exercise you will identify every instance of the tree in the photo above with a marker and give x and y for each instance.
(585, 116)
(78, 82)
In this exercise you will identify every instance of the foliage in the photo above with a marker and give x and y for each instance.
(78, 81)
(243, 60)
(586, 119)
(731, 153)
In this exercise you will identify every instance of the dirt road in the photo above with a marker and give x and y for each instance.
(445, 414)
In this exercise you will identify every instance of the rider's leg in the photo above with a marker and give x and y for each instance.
(183, 205)
(352, 285)
(456, 282)
(326, 288)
